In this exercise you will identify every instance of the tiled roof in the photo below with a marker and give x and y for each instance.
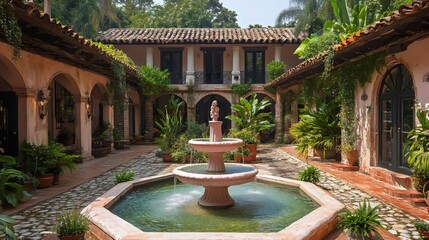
(396, 30)
(45, 36)
(198, 35)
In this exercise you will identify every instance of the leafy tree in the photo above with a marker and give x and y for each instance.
(186, 13)
(307, 15)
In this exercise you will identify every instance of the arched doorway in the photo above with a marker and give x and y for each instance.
(99, 106)
(62, 110)
(396, 118)
(202, 111)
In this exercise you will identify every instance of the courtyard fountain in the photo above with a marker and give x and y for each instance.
(216, 177)
(271, 208)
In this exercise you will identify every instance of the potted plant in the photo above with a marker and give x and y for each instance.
(65, 137)
(60, 160)
(37, 159)
(362, 222)
(138, 139)
(417, 150)
(118, 139)
(249, 138)
(352, 155)
(250, 114)
(242, 155)
(70, 225)
(423, 229)
(180, 150)
(169, 126)
(318, 129)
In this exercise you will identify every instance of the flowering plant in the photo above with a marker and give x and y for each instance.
(70, 223)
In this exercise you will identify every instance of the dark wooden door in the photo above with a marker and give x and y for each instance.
(9, 123)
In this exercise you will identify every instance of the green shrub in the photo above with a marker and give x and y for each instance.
(422, 226)
(240, 89)
(275, 69)
(70, 223)
(310, 174)
(361, 222)
(124, 176)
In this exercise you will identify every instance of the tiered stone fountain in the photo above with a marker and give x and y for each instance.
(217, 176)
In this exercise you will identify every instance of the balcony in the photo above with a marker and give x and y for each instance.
(219, 78)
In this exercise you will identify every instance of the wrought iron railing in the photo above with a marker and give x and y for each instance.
(213, 77)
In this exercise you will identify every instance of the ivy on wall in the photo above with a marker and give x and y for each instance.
(9, 27)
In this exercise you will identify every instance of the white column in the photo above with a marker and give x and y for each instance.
(190, 72)
(83, 128)
(47, 7)
(235, 65)
(278, 53)
(149, 56)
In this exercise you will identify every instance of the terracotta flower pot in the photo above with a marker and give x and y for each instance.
(167, 158)
(424, 235)
(253, 151)
(46, 180)
(353, 157)
(56, 180)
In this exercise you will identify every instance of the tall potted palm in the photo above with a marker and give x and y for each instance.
(417, 150)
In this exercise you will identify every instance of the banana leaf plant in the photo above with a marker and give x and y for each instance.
(6, 227)
(250, 114)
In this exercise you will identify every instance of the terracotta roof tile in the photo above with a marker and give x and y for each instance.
(198, 35)
(385, 28)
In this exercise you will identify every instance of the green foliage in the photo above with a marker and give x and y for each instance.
(363, 221)
(421, 226)
(318, 128)
(275, 69)
(104, 132)
(10, 191)
(249, 114)
(119, 55)
(118, 86)
(417, 145)
(6, 227)
(170, 124)
(124, 176)
(240, 89)
(245, 134)
(60, 159)
(9, 27)
(316, 44)
(186, 13)
(310, 174)
(70, 223)
(197, 130)
(180, 150)
(153, 81)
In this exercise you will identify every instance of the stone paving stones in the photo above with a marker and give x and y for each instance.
(271, 161)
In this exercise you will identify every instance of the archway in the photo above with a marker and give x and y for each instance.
(202, 111)
(64, 94)
(99, 106)
(396, 118)
(13, 125)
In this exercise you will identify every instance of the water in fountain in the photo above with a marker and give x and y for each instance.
(218, 177)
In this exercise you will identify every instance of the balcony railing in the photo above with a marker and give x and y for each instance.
(217, 78)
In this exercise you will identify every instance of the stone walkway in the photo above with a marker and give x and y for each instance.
(271, 161)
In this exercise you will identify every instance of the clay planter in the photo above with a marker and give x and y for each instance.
(325, 153)
(253, 152)
(56, 180)
(119, 145)
(46, 180)
(237, 158)
(167, 158)
(353, 157)
(80, 236)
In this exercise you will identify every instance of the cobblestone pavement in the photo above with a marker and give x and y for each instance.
(271, 161)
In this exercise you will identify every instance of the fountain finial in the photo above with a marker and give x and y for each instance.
(214, 111)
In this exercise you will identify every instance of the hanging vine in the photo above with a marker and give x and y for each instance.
(9, 27)
(118, 86)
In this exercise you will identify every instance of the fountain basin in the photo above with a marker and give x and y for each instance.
(315, 225)
(241, 174)
(205, 145)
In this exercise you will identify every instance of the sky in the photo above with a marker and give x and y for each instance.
(262, 12)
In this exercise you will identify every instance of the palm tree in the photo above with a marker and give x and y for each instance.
(307, 15)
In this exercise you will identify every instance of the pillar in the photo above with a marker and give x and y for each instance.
(235, 65)
(149, 56)
(278, 53)
(190, 71)
(28, 116)
(47, 7)
(279, 116)
(83, 131)
(149, 118)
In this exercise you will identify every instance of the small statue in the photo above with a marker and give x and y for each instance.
(214, 111)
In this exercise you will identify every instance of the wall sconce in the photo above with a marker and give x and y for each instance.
(198, 56)
(88, 107)
(43, 103)
(228, 56)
